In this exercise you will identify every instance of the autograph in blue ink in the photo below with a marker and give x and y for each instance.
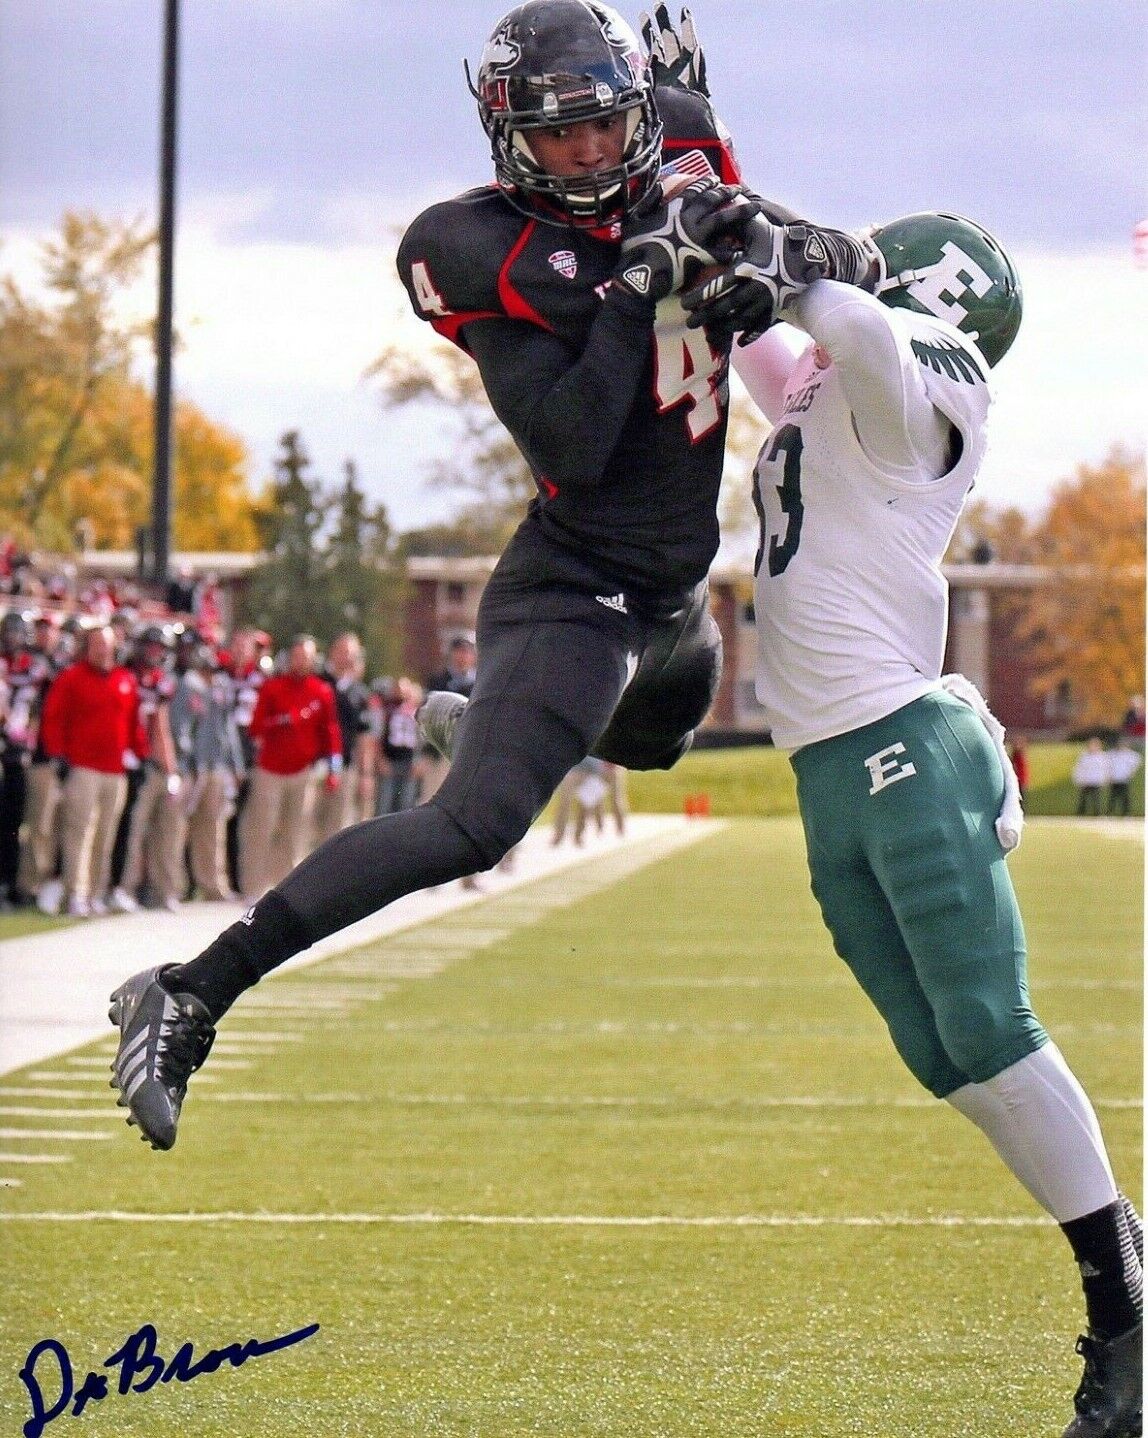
(141, 1367)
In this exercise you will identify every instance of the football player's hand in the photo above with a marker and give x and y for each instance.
(675, 56)
(664, 240)
(778, 262)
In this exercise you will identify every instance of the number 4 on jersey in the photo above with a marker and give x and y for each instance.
(430, 301)
(686, 370)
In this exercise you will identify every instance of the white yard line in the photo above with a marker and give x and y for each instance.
(54, 987)
(68, 1135)
(546, 1220)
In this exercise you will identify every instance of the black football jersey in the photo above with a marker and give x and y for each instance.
(623, 428)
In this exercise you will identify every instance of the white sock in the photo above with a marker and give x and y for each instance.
(1039, 1119)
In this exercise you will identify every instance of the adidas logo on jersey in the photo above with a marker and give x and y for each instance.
(613, 601)
(638, 278)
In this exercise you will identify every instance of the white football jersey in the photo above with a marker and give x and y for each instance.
(850, 600)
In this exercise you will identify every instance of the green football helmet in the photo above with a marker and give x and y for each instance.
(942, 265)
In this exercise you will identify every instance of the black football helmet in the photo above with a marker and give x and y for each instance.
(559, 62)
(14, 632)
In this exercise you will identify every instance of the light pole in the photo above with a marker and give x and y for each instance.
(161, 476)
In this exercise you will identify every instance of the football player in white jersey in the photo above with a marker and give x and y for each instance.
(879, 408)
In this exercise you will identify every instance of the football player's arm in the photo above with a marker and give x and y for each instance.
(896, 422)
(764, 367)
(566, 411)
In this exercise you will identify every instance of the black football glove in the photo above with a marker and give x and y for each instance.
(675, 57)
(664, 242)
(778, 262)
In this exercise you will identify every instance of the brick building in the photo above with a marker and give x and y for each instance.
(982, 641)
(443, 597)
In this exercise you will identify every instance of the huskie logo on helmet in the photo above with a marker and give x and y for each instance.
(559, 62)
(501, 50)
(949, 267)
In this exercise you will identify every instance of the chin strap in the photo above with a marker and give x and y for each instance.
(1010, 821)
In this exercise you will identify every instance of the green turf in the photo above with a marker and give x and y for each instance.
(679, 1043)
(20, 922)
(758, 781)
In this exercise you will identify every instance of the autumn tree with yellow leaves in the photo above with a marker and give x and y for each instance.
(1086, 621)
(76, 435)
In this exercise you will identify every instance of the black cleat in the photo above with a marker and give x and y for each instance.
(437, 718)
(164, 1038)
(1108, 1401)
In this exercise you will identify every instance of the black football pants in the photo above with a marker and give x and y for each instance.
(566, 667)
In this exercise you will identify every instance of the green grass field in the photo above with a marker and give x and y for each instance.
(759, 782)
(623, 1152)
(745, 783)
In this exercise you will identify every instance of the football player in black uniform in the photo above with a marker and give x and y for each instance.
(562, 280)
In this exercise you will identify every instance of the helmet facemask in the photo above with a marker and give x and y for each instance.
(554, 63)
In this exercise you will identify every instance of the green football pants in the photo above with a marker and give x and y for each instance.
(913, 886)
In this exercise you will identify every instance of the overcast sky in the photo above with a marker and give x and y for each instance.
(311, 130)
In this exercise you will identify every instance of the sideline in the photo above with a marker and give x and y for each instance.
(54, 987)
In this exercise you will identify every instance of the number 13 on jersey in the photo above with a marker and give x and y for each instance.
(784, 452)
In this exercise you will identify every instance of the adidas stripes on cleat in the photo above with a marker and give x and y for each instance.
(164, 1038)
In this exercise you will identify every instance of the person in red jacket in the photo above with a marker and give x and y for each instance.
(91, 720)
(295, 728)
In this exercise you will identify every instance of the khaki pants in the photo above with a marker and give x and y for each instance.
(40, 841)
(210, 805)
(155, 841)
(273, 829)
(335, 809)
(91, 806)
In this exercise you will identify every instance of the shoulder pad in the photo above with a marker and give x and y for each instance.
(689, 122)
(956, 375)
(450, 256)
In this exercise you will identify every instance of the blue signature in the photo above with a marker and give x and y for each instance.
(141, 1367)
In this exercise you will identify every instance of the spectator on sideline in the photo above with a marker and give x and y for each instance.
(22, 671)
(400, 765)
(153, 857)
(457, 678)
(1018, 754)
(335, 808)
(1132, 726)
(211, 761)
(294, 727)
(593, 784)
(248, 665)
(40, 838)
(1123, 762)
(1090, 775)
(91, 720)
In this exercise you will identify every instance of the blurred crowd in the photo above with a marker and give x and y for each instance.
(1103, 773)
(148, 759)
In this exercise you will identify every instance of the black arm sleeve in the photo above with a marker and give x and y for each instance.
(566, 411)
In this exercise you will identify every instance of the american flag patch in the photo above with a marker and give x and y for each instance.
(565, 262)
(692, 163)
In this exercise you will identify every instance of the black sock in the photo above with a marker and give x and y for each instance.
(266, 936)
(1135, 1228)
(1109, 1269)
